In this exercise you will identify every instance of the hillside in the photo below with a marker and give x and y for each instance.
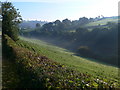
(102, 21)
(31, 24)
(59, 55)
(68, 58)
(37, 67)
(100, 43)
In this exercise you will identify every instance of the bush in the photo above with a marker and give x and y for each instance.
(85, 51)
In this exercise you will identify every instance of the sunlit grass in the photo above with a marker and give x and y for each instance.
(102, 22)
(63, 56)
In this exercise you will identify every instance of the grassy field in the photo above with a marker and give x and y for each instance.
(102, 22)
(70, 60)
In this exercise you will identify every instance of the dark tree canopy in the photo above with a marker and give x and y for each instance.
(38, 25)
(10, 20)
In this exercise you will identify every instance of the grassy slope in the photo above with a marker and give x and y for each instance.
(102, 22)
(68, 58)
(36, 71)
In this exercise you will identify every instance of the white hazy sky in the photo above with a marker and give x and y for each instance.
(50, 10)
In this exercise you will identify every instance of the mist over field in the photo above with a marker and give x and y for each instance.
(98, 40)
(46, 50)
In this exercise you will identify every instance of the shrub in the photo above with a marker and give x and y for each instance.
(85, 51)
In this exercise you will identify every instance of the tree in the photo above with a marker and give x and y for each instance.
(81, 30)
(111, 24)
(57, 22)
(38, 25)
(83, 20)
(10, 20)
(66, 24)
(58, 25)
(0, 17)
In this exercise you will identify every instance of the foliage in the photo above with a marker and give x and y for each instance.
(37, 25)
(85, 51)
(65, 25)
(10, 20)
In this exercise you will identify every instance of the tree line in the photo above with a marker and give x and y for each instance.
(99, 43)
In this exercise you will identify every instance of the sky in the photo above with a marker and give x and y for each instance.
(51, 10)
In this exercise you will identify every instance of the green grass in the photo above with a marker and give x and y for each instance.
(102, 22)
(67, 58)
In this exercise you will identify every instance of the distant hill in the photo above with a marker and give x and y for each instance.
(31, 24)
(94, 23)
(103, 21)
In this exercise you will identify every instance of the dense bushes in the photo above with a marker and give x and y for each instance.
(40, 72)
(85, 51)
